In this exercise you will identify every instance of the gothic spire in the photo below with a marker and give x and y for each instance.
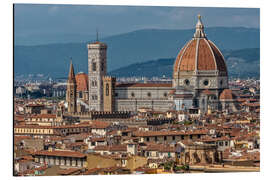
(71, 75)
(199, 33)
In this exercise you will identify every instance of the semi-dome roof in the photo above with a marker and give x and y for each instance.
(227, 94)
(200, 54)
(82, 81)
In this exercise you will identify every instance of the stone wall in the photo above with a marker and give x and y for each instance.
(135, 104)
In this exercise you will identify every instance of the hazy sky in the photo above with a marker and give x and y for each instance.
(84, 19)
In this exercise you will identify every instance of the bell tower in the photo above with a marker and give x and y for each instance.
(97, 69)
(71, 90)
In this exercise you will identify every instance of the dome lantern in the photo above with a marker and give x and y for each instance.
(199, 33)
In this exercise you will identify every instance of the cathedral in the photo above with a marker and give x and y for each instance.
(199, 81)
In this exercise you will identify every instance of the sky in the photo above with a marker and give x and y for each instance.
(40, 20)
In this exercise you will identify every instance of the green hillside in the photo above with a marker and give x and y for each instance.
(125, 49)
(240, 63)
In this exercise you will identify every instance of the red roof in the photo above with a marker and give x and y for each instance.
(167, 133)
(61, 153)
(111, 148)
(207, 92)
(69, 171)
(99, 124)
(227, 94)
(201, 54)
(82, 82)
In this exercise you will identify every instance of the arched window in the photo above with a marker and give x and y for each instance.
(102, 66)
(107, 89)
(94, 66)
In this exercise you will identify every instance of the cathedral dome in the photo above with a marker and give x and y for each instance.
(200, 54)
(82, 81)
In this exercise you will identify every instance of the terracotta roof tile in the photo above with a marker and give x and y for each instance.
(60, 153)
(68, 171)
(206, 59)
(227, 94)
(187, 63)
(82, 82)
(206, 55)
(167, 133)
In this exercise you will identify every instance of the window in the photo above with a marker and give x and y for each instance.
(173, 138)
(115, 94)
(147, 139)
(187, 82)
(205, 82)
(156, 139)
(132, 94)
(107, 89)
(149, 94)
(94, 97)
(199, 136)
(80, 94)
(182, 137)
(165, 94)
(221, 82)
(102, 66)
(94, 83)
(94, 66)
(165, 138)
(226, 143)
(190, 136)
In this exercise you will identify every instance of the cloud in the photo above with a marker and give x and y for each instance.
(40, 19)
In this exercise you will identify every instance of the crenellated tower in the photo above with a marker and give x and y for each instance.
(109, 93)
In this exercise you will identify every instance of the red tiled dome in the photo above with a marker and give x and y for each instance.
(200, 54)
(227, 94)
(82, 82)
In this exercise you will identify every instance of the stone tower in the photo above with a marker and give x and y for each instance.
(71, 97)
(108, 93)
(97, 68)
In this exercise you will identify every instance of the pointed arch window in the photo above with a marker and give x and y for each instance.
(107, 89)
(94, 66)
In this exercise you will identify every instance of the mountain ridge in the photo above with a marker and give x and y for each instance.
(125, 49)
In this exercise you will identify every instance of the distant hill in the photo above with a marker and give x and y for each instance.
(240, 63)
(49, 38)
(126, 49)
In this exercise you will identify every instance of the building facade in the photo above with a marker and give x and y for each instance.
(199, 78)
(97, 68)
